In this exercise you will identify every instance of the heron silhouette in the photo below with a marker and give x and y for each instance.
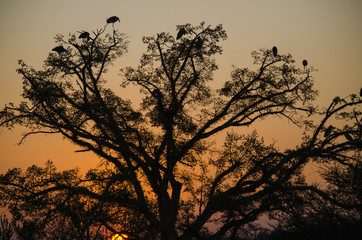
(113, 19)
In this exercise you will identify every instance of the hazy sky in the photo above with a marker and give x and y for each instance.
(327, 33)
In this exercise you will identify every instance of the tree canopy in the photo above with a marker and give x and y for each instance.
(161, 170)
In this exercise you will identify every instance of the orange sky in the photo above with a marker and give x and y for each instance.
(326, 32)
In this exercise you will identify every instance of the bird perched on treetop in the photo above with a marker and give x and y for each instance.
(113, 19)
(275, 51)
(305, 63)
(180, 33)
(59, 49)
(84, 35)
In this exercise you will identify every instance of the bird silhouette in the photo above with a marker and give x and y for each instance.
(180, 33)
(305, 63)
(348, 137)
(199, 43)
(59, 49)
(275, 51)
(328, 131)
(113, 19)
(84, 35)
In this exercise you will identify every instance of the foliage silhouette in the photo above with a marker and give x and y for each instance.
(157, 165)
(6, 230)
(308, 215)
(312, 217)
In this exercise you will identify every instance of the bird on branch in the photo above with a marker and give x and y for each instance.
(275, 51)
(305, 63)
(84, 35)
(113, 19)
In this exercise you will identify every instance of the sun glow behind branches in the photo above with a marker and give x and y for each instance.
(120, 237)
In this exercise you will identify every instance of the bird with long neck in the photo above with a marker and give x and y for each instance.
(112, 20)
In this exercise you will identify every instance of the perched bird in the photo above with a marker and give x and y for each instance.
(180, 33)
(348, 137)
(199, 43)
(337, 99)
(328, 131)
(84, 35)
(113, 19)
(59, 49)
(275, 51)
(305, 63)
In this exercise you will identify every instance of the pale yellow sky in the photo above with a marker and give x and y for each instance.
(326, 32)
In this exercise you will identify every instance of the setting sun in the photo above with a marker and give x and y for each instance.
(120, 237)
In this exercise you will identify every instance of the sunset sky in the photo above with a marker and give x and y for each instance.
(327, 33)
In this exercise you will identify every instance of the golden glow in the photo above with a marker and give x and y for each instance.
(120, 237)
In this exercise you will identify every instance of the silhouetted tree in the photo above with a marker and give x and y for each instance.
(6, 230)
(334, 214)
(309, 216)
(52, 207)
(159, 152)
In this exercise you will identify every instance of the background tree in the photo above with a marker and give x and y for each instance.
(6, 230)
(335, 215)
(52, 207)
(155, 150)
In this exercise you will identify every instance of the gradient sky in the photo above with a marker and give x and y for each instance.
(327, 33)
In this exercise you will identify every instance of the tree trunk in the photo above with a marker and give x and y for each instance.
(168, 234)
(168, 217)
(168, 231)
